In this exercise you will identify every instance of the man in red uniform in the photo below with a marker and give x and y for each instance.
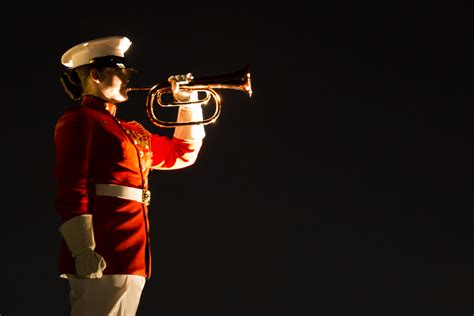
(101, 170)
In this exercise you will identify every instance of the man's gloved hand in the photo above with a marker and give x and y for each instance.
(188, 111)
(89, 265)
(79, 236)
(181, 95)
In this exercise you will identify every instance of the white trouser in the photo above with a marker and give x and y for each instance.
(111, 295)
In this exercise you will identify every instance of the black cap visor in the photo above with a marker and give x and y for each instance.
(110, 61)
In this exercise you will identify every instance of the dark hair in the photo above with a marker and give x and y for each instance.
(73, 80)
(71, 84)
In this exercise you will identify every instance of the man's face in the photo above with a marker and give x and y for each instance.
(113, 85)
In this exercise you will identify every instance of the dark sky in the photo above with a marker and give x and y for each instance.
(342, 187)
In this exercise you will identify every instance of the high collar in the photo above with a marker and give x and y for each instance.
(99, 104)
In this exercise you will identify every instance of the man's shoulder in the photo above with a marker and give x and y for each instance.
(80, 111)
(77, 114)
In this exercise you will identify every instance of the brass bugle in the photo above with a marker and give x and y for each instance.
(238, 80)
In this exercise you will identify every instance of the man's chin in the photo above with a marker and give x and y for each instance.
(121, 99)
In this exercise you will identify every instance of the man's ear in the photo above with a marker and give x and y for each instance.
(95, 75)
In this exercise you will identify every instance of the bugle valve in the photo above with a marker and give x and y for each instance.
(238, 80)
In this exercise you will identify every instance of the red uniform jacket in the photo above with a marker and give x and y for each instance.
(92, 146)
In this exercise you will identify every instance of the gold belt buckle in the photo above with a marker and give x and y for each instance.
(146, 197)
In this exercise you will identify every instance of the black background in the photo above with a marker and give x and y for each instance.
(342, 187)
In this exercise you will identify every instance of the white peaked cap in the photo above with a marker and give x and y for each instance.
(83, 53)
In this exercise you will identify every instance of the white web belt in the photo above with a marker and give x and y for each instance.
(123, 192)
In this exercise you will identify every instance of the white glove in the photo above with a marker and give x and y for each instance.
(79, 236)
(187, 112)
(176, 80)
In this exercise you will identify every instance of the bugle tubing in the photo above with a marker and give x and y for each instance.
(238, 80)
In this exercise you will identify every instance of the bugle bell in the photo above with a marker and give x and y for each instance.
(238, 80)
